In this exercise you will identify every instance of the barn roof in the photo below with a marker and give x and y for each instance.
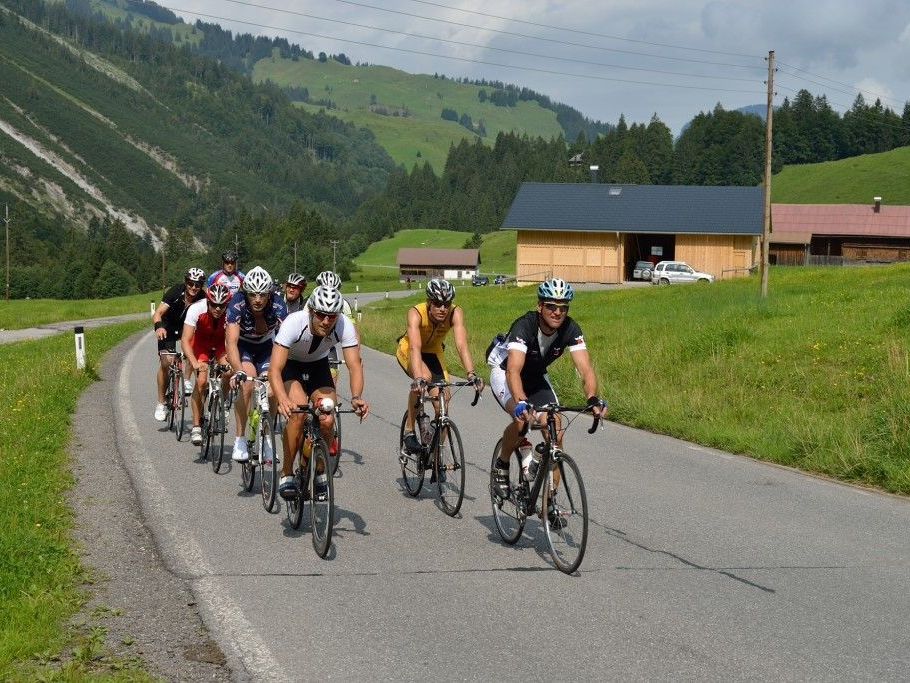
(605, 207)
(846, 220)
(465, 258)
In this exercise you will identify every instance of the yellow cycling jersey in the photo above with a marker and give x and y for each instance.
(432, 334)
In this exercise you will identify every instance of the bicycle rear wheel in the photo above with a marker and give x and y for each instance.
(207, 432)
(175, 391)
(219, 425)
(412, 467)
(448, 468)
(322, 503)
(565, 513)
(268, 474)
(508, 513)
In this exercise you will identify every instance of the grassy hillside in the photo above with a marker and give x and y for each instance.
(849, 181)
(354, 88)
(815, 377)
(378, 264)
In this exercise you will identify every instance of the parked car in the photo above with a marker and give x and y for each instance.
(676, 272)
(480, 280)
(642, 270)
(500, 280)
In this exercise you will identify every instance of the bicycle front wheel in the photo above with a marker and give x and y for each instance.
(508, 512)
(448, 468)
(336, 459)
(268, 457)
(322, 500)
(175, 391)
(565, 514)
(412, 468)
(295, 505)
(217, 429)
(182, 399)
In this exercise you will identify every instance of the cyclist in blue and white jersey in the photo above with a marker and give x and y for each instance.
(300, 373)
(253, 317)
(228, 276)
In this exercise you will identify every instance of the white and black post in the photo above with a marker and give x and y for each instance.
(80, 348)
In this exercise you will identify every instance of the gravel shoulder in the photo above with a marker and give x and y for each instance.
(148, 611)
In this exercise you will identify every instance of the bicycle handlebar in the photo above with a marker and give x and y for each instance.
(557, 408)
(442, 384)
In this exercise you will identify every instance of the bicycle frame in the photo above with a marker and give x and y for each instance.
(442, 417)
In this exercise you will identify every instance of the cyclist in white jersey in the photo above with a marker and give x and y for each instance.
(228, 276)
(328, 278)
(299, 373)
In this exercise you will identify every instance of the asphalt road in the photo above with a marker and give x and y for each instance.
(700, 564)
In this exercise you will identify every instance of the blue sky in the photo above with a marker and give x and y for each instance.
(632, 57)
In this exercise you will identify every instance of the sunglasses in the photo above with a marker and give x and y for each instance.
(219, 306)
(325, 316)
(553, 308)
(194, 285)
(440, 304)
(294, 286)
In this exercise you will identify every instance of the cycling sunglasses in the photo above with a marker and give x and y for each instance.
(553, 308)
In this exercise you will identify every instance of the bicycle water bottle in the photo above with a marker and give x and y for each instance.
(539, 450)
(254, 425)
(426, 429)
(525, 453)
(263, 399)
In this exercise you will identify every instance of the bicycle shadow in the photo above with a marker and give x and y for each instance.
(355, 459)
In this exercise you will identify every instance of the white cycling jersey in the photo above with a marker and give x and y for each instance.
(303, 346)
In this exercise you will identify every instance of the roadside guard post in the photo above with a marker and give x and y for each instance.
(80, 348)
(152, 306)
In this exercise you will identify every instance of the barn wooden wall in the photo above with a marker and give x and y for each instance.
(573, 256)
(723, 256)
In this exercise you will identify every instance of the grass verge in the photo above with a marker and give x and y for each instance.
(40, 572)
(21, 313)
(816, 377)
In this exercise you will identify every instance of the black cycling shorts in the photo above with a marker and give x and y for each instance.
(312, 376)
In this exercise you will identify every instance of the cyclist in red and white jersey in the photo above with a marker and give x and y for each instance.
(228, 276)
(203, 339)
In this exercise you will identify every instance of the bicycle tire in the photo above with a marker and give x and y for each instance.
(569, 541)
(217, 425)
(174, 391)
(322, 512)
(336, 431)
(207, 433)
(508, 514)
(448, 468)
(268, 470)
(181, 421)
(412, 467)
(296, 505)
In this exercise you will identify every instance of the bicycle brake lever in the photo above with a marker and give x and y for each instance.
(476, 398)
(594, 426)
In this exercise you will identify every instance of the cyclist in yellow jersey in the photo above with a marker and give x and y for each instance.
(421, 348)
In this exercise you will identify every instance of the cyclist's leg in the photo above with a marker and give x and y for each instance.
(165, 346)
(318, 385)
(292, 436)
(199, 391)
(512, 433)
(422, 371)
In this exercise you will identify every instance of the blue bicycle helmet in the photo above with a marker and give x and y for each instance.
(555, 289)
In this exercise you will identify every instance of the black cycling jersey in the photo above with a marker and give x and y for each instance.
(172, 319)
(523, 336)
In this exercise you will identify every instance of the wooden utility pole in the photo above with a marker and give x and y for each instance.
(295, 256)
(769, 137)
(6, 220)
(334, 244)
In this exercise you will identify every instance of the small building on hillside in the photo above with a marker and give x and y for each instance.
(595, 232)
(813, 234)
(451, 264)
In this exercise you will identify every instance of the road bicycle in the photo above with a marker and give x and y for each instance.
(214, 416)
(440, 448)
(174, 395)
(335, 446)
(556, 485)
(261, 444)
(316, 470)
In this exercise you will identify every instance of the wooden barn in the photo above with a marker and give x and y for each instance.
(451, 264)
(595, 232)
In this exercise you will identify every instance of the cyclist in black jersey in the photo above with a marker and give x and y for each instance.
(518, 374)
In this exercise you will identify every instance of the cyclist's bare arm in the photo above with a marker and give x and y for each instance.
(161, 332)
(186, 343)
(231, 337)
(582, 360)
(355, 373)
(460, 333)
(415, 343)
(514, 366)
(276, 367)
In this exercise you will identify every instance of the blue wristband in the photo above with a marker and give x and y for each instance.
(520, 408)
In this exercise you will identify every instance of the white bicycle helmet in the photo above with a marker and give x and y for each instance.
(325, 300)
(328, 279)
(194, 275)
(218, 294)
(257, 281)
(296, 280)
(555, 289)
(440, 290)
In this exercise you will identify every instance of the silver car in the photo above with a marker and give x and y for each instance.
(642, 270)
(676, 272)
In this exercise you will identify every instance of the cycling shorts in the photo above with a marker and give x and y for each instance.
(435, 364)
(205, 354)
(260, 355)
(203, 344)
(312, 376)
(539, 392)
(169, 343)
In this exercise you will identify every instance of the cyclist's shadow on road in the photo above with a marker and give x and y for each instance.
(532, 536)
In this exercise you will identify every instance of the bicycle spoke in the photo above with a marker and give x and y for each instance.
(565, 515)
(412, 467)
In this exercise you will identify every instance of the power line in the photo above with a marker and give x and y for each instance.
(498, 31)
(461, 59)
(583, 32)
(851, 88)
(507, 50)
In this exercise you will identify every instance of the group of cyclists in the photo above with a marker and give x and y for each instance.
(244, 321)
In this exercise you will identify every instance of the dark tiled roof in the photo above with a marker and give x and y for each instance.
(464, 258)
(637, 208)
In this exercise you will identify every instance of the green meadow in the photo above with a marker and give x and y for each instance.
(816, 377)
(21, 313)
(421, 135)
